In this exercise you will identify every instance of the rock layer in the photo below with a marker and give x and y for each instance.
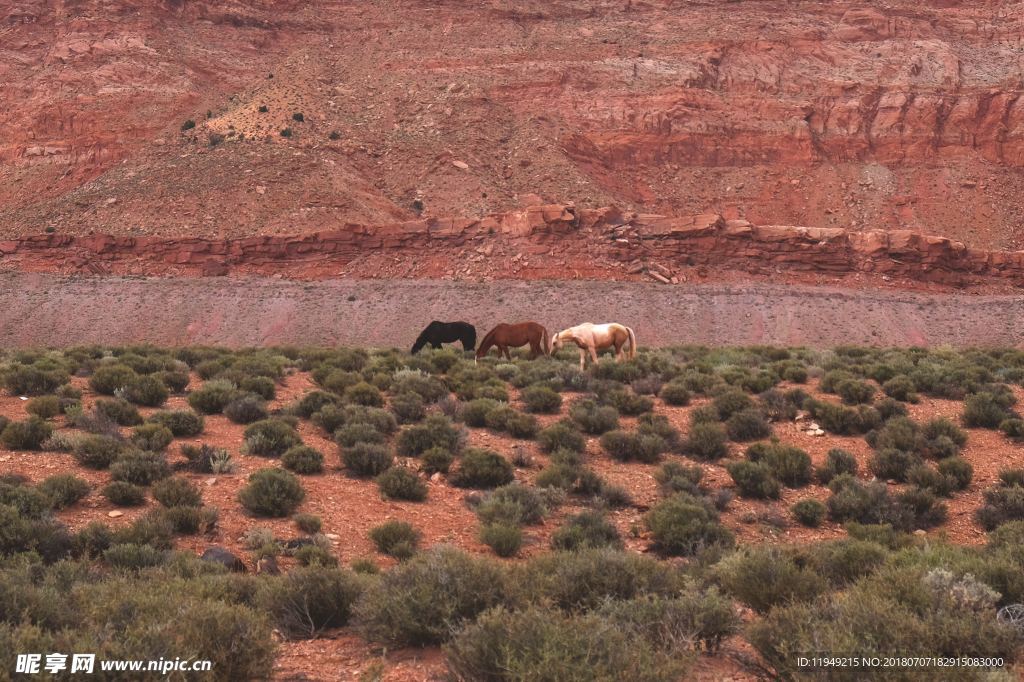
(546, 235)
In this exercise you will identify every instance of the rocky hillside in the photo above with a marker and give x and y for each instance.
(854, 115)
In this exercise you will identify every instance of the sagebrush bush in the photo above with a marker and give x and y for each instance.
(561, 436)
(181, 423)
(152, 437)
(675, 393)
(401, 483)
(1013, 428)
(408, 407)
(985, 410)
(809, 512)
(303, 459)
(436, 431)
(514, 504)
(117, 410)
(730, 402)
(140, 468)
(540, 398)
(854, 392)
(767, 576)
(1003, 504)
(44, 406)
(21, 379)
(427, 599)
(586, 530)
(63, 490)
(789, 464)
(367, 459)
(837, 462)
(111, 377)
(593, 418)
(365, 394)
(272, 492)
(270, 438)
(177, 491)
(627, 402)
(212, 396)
(504, 538)
(746, 425)
(246, 408)
(893, 464)
(900, 387)
(124, 494)
(675, 477)
(480, 468)
(684, 525)
(306, 601)
(436, 460)
(754, 479)
(706, 442)
(26, 435)
(628, 446)
(474, 413)
(397, 539)
(146, 390)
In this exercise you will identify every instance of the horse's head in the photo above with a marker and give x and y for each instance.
(556, 342)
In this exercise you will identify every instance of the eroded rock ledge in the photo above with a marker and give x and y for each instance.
(554, 234)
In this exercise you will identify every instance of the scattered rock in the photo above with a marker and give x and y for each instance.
(117, 513)
(461, 165)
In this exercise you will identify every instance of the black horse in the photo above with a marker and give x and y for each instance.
(437, 333)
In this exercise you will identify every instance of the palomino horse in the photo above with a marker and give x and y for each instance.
(437, 333)
(592, 338)
(505, 336)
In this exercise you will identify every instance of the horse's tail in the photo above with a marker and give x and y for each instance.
(469, 340)
(545, 341)
(632, 342)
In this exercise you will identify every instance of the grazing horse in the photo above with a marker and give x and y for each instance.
(592, 337)
(514, 335)
(437, 333)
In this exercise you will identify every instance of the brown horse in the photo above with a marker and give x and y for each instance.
(505, 336)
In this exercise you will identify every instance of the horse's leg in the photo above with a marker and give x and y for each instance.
(435, 344)
(583, 359)
(593, 353)
(534, 349)
(618, 351)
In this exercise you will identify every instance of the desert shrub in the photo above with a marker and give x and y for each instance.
(44, 406)
(540, 644)
(436, 431)
(706, 442)
(270, 438)
(837, 462)
(888, 408)
(524, 426)
(130, 556)
(497, 418)
(309, 600)
(586, 579)
(146, 390)
(425, 600)
(627, 446)
(474, 413)
(628, 402)
(182, 423)
(985, 410)
(408, 407)
(124, 494)
(843, 420)
(593, 418)
(367, 459)
(152, 437)
(350, 434)
(400, 483)
(842, 562)
(429, 388)
(754, 479)
(271, 492)
(900, 387)
(22, 379)
(730, 402)
(175, 381)
(436, 460)
(935, 430)
(97, 452)
(246, 408)
(365, 394)
(809, 512)
(93, 539)
(586, 530)
(957, 471)
(777, 405)
(893, 464)
(397, 539)
(675, 393)
(314, 401)
(561, 436)
(263, 386)
(560, 476)
(118, 410)
(177, 492)
(796, 374)
(26, 435)
(111, 377)
(191, 520)
(853, 392)
(789, 464)
(1011, 477)
(308, 523)
(207, 459)
(303, 459)
(767, 576)
(1013, 428)
(481, 468)
(315, 555)
(140, 468)
(683, 525)
(212, 396)
(504, 538)
(675, 477)
(1002, 504)
(746, 425)
(514, 503)
(63, 490)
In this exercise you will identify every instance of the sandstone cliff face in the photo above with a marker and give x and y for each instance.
(559, 240)
(846, 114)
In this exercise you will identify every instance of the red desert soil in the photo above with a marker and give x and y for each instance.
(828, 114)
(349, 507)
